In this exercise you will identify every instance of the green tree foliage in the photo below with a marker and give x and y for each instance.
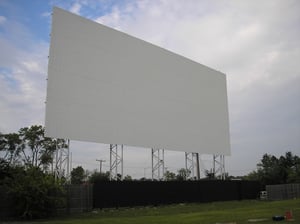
(209, 174)
(273, 170)
(145, 179)
(29, 147)
(34, 193)
(96, 177)
(169, 176)
(127, 178)
(10, 148)
(118, 177)
(24, 158)
(183, 174)
(77, 175)
(38, 150)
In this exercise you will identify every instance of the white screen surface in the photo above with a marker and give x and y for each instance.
(108, 87)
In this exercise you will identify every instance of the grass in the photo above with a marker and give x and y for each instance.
(204, 213)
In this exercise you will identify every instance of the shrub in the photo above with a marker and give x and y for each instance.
(35, 194)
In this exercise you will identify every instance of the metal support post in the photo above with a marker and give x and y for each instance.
(68, 176)
(219, 166)
(62, 159)
(158, 164)
(197, 166)
(192, 165)
(116, 162)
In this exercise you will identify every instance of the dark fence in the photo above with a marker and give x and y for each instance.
(79, 198)
(134, 193)
(283, 191)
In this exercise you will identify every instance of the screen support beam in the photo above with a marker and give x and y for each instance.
(192, 164)
(219, 166)
(62, 160)
(197, 166)
(158, 164)
(116, 162)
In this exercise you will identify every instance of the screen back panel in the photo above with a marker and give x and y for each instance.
(109, 87)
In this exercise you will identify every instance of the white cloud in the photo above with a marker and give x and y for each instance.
(23, 91)
(46, 14)
(2, 20)
(75, 8)
(23, 69)
(112, 19)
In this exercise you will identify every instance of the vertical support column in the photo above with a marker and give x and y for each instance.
(158, 164)
(219, 166)
(116, 162)
(62, 159)
(197, 166)
(192, 164)
(68, 176)
(223, 172)
(56, 159)
(121, 162)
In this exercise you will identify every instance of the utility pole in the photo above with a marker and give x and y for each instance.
(100, 161)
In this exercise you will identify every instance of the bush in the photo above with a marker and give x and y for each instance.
(35, 194)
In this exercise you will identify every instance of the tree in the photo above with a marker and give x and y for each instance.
(10, 146)
(145, 179)
(37, 149)
(210, 174)
(253, 175)
(169, 176)
(29, 147)
(127, 178)
(273, 170)
(119, 177)
(24, 158)
(183, 174)
(96, 177)
(77, 175)
(35, 194)
(294, 173)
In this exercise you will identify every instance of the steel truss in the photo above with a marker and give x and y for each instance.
(116, 162)
(62, 160)
(219, 166)
(158, 164)
(191, 164)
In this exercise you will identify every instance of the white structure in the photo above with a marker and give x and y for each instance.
(108, 87)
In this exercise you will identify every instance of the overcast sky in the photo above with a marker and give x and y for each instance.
(256, 43)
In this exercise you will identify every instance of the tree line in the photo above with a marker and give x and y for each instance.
(272, 170)
(79, 176)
